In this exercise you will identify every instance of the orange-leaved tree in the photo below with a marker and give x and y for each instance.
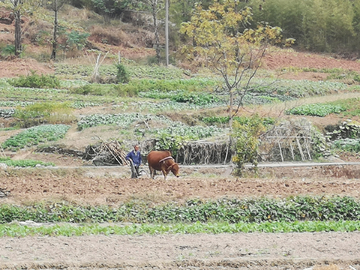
(221, 36)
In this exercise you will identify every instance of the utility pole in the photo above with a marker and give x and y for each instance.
(167, 31)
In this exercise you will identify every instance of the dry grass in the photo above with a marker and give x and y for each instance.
(109, 35)
(118, 37)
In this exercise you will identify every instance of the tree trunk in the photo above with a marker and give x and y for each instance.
(18, 48)
(231, 104)
(156, 31)
(54, 43)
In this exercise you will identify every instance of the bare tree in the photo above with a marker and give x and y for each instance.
(16, 8)
(155, 8)
(55, 6)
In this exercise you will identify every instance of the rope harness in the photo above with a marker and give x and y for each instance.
(167, 158)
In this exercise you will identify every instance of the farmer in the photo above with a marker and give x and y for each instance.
(134, 157)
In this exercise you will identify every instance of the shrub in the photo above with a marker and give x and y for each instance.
(8, 50)
(45, 112)
(122, 74)
(35, 81)
(247, 142)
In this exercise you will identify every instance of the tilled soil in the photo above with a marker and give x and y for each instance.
(201, 251)
(111, 186)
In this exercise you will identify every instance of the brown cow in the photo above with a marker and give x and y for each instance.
(162, 161)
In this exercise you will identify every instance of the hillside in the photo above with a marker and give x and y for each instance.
(284, 64)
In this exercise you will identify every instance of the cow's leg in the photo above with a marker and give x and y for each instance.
(152, 172)
(164, 173)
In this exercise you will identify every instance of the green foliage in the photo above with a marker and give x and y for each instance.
(76, 40)
(296, 89)
(173, 137)
(166, 86)
(15, 230)
(44, 112)
(345, 136)
(95, 89)
(13, 103)
(247, 141)
(316, 109)
(122, 74)
(135, 71)
(351, 145)
(195, 98)
(151, 88)
(232, 211)
(9, 49)
(319, 144)
(35, 81)
(24, 163)
(121, 120)
(345, 130)
(183, 96)
(110, 8)
(357, 77)
(317, 25)
(35, 135)
(7, 113)
(240, 119)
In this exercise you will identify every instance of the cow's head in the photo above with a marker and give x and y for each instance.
(175, 169)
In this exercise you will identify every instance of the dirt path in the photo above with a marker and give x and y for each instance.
(223, 251)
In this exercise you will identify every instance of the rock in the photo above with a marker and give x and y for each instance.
(3, 166)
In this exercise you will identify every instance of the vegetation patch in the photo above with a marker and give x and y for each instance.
(223, 210)
(44, 112)
(106, 70)
(35, 135)
(16, 230)
(316, 109)
(24, 163)
(35, 81)
(350, 145)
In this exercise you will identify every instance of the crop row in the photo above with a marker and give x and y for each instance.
(223, 210)
(154, 72)
(16, 230)
(35, 135)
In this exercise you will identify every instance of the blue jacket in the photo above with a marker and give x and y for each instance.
(135, 157)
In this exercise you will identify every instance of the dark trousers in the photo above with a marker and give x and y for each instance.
(135, 171)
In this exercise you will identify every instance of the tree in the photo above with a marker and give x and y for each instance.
(111, 8)
(17, 8)
(154, 6)
(56, 5)
(221, 38)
